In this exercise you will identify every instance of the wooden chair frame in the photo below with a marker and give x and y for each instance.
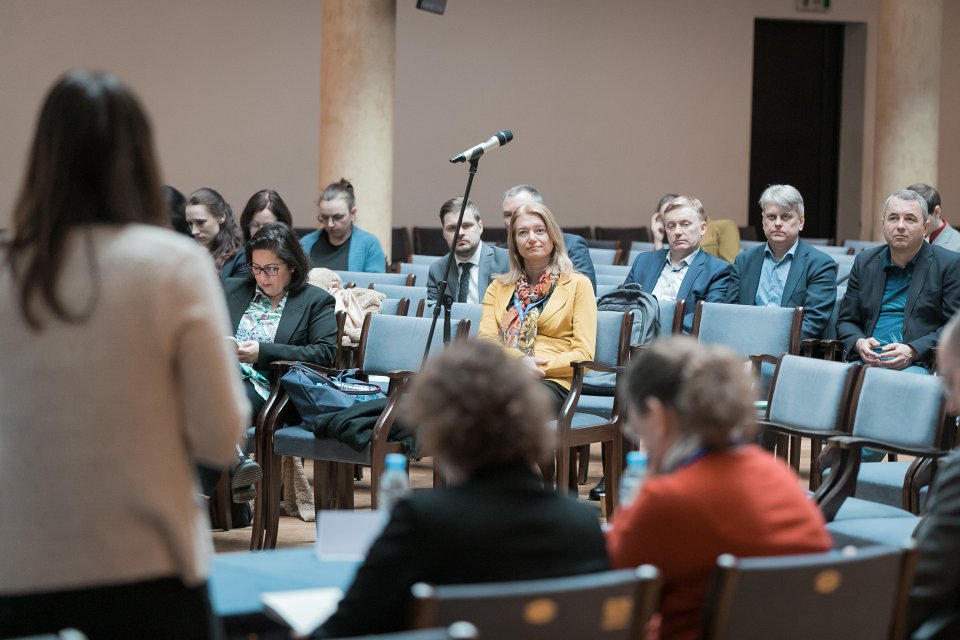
(641, 585)
(846, 449)
(791, 453)
(608, 432)
(333, 480)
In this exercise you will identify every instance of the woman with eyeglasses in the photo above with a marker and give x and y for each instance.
(276, 313)
(213, 225)
(338, 244)
(263, 207)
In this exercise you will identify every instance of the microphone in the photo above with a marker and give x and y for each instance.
(498, 139)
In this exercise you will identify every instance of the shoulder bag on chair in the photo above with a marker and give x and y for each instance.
(313, 393)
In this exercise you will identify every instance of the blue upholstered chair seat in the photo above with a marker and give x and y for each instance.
(582, 420)
(880, 482)
(865, 532)
(859, 509)
(297, 441)
(601, 406)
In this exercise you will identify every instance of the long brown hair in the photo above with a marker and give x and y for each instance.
(92, 161)
(228, 239)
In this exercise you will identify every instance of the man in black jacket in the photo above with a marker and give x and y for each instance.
(935, 597)
(900, 295)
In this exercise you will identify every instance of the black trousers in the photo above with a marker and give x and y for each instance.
(151, 610)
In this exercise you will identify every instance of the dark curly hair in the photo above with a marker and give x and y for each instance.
(280, 239)
(475, 406)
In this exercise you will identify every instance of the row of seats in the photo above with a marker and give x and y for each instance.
(608, 245)
(854, 593)
(852, 408)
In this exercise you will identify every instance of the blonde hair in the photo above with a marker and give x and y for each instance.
(705, 386)
(686, 201)
(558, 258)
(475, 406)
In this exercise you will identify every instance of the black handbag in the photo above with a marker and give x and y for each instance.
(313, 393)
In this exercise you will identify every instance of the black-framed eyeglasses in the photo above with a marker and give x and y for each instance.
(269, 269)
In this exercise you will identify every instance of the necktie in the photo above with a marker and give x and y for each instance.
(464, 290)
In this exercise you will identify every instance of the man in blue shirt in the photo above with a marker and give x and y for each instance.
(683, 271)
(900, 295)
(786, 271)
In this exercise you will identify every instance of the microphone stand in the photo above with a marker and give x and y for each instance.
(444, 298)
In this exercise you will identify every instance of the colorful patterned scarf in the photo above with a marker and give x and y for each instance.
(518, 329)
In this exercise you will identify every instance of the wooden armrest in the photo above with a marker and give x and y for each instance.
(758, 358)
(792, 431)
(596, 366)
(399, 374)
(854, 442)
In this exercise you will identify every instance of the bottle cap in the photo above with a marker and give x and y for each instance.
(637, 458)
(396, 461)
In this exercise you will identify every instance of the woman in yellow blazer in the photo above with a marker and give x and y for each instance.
(541, 310)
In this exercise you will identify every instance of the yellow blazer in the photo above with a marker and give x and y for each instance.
(722, 239)
(566, 329)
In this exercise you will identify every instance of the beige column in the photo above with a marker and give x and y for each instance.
(356, 106)
(908, 101)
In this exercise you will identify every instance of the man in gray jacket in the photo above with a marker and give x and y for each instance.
(475, 262)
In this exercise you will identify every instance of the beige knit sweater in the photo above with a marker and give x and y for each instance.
(101, 423)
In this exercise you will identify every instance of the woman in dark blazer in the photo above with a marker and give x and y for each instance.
(484, 418)
(276, 313)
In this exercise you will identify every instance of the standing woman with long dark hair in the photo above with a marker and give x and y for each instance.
(116, 379)
(212, 224)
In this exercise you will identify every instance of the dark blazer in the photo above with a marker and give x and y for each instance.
(236, 266)
(812, 284)
(932, 299)
(500, 525)
(580, 257)
(492, 260)
(936, 585)
(706, 279)
(307, 329)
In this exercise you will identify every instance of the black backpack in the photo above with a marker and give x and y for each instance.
(646, 327)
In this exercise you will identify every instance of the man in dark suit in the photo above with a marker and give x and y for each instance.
(786, 271)
(484, 260)
(935, 596)
(899, 296)
(683, 271)
(516, 197)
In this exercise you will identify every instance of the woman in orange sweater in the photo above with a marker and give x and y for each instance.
(706, 495)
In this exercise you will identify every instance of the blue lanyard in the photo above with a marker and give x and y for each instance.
(521, 311)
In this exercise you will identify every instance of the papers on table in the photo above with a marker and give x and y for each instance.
(303, 610)
(346, 535)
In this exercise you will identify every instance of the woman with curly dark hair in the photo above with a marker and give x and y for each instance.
(484, 419)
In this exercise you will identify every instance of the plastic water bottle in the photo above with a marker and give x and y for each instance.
(394, 483)
(633, 477)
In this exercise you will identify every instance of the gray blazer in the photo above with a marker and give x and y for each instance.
(493, 260)
(812, 284)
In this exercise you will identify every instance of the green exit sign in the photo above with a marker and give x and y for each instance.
(813, 5)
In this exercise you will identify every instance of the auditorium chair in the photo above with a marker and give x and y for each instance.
(390, 347)
(892, 412)
(809, 398)
(458, 311)
(414, 294)
(610, 605)
(837, 595)
(421, 271)
(578, 424)
(365, 279)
